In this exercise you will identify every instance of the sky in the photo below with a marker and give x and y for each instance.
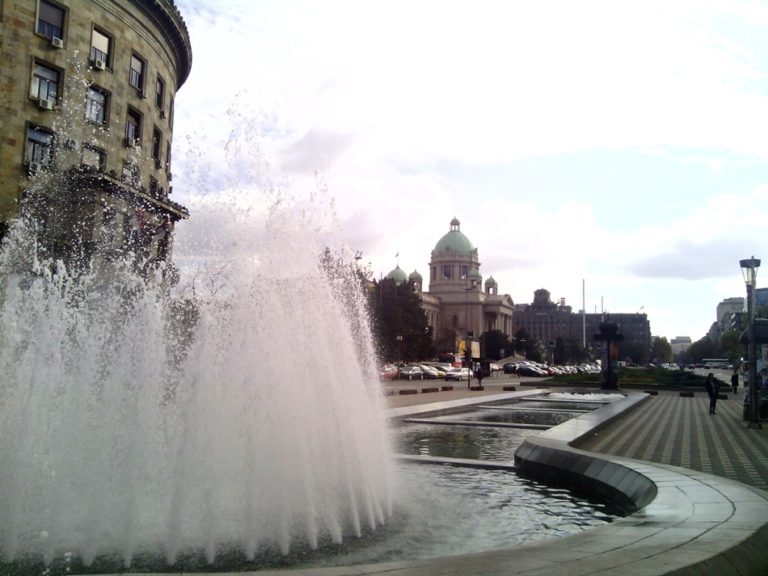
(620, 147)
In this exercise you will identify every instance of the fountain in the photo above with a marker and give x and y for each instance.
(240, 413)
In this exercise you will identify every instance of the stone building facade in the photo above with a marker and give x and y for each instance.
(87, 91)
(458, 304)
(545, 321)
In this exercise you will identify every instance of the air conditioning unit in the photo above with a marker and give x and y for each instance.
(144, 94)
(45, 104)
(34, 167)
(99, 65)
(158, 164)
(57, 42)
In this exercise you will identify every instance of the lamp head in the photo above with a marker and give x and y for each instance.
(749, 268)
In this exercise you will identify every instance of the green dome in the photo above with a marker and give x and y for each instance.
(455, 241)
(398, 276)
(491, 282)
(414, 276)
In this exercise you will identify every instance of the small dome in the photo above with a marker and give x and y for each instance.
(398, 276)
(455, 241)
(415, 276)
(474, 274)
(491, 282)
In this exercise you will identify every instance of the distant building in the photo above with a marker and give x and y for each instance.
(546, 321)
(458, 302)
(728, 317)
(761, 297)
(680, 344)
(87, 91)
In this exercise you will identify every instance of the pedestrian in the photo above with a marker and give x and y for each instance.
(735, 380)
(712, 387)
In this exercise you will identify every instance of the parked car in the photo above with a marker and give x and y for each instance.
(442, 369)
(510, 367)
(411, 372)
(388, 372)
(457, 374)
(430, 372)
(530, 370)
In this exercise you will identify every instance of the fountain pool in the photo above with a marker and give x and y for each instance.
(144, 427)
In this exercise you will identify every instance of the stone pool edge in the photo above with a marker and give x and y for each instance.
(683, 521)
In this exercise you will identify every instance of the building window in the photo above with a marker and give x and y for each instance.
(50, 20)
(131, 174)
(160, 93)
(101, 47)
(168, 159)
(447, 272)
(157, 141)
(463, 269)
(170, 114)
(45, 83)
(39, 146)
(93, 157)
(136, 78)
(434, 272)
(96, 105)
(133, 128)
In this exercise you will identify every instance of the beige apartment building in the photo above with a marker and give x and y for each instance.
(87, 91)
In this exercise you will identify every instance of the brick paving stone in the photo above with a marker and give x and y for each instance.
(670, 429)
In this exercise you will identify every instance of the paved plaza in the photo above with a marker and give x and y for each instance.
(677, 430)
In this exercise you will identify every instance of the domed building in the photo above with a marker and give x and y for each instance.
(398, 275)
(457, 303)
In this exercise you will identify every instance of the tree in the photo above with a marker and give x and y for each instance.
(399, 323)
(559, 353)
(635, 353)
(494, 341)
(703, 348)
(521, 341)
(661, 349)
(730, 347)
(348, 283)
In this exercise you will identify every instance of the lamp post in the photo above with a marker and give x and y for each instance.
(609, 334)
(470, 332)
(749, 268)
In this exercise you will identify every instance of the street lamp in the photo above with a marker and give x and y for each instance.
(749, 268)
(469, 331)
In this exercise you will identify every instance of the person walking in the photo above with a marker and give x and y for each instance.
(712, 387)
(735, 380)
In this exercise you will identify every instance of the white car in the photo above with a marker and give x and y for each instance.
(457, 374)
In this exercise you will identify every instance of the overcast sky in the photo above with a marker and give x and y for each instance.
(620, 143)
